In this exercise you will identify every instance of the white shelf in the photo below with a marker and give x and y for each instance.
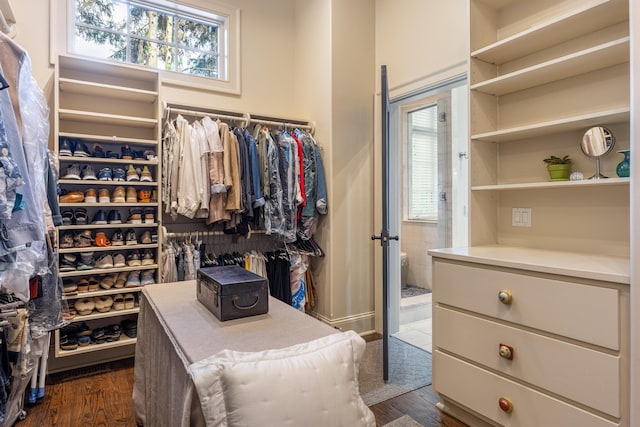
(131, 72)
(95, 315)
(123, 341)
(108, 139)
(586, 19)
(112, 291)
(101, 226)
(557, 184)
(619, 115)
(112, 313)
(98, 183)
(111, 205)
(103, 118)
(107, 248)
(594, 58)
(95, 271)
(106, 91)
(71, 159)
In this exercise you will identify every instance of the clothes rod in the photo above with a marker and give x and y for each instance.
(170, 235)
(244, 118)
(309, 127)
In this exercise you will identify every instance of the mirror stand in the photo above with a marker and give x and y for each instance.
(598, 175)
(596, 142)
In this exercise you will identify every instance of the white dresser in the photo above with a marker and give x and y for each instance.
(528, 337)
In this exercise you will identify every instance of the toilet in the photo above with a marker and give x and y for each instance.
(404, 267)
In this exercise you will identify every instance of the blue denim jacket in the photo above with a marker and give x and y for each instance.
(255, 170)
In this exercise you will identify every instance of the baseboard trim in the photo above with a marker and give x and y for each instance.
(361, 323)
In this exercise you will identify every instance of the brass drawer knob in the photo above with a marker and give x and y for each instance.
(506, 351)
(505, 297)
(505, 404)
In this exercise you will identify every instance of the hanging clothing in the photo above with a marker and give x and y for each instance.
(24, 114)
(231, 169)
(245, 174)
(218, 189)
(201, 152)
(169, 267)
(172, 156)
(299, 265)
(258, 199)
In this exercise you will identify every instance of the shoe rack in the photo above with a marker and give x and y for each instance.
(113, 110)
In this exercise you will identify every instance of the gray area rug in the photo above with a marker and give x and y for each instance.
(409, 369)
(404, 421)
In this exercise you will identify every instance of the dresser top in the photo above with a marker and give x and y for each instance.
(587, 266)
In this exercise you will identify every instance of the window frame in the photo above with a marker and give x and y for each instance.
(197, 10)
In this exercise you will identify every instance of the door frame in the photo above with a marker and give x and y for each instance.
(438, 79)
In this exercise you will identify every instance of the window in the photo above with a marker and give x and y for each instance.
(158, 34)
(422, 165)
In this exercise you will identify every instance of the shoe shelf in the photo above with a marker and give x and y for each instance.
(124, 340)
(105, 118)
(105, 160)
(114, 183)
(111, 205)
(99, 226)
(549, 184)
(111, 139)
(577, 22)
(111, 313)
(587, 60)
(92, 271)
(112, 291)
(112, 105)
(108, 248)
(106, 90)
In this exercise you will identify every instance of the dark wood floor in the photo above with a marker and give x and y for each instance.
(104, 399)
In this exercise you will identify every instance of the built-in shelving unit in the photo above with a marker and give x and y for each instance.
(116, 107)
(513, 324)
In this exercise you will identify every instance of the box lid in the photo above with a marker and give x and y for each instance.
(232, 275)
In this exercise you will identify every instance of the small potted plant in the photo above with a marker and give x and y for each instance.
(559, 168)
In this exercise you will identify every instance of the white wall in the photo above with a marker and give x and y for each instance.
(307, 59)
(441, 31)
(335, 71)
(266, 55)
(353, 66)
(419, 40)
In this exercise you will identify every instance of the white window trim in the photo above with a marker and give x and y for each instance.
(60, 41)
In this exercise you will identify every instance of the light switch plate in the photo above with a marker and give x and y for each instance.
(521, 217)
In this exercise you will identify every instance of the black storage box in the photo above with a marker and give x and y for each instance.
(232, 292)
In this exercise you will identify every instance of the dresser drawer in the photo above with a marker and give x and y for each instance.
(583, 312)
(581, 374)
(480, 391)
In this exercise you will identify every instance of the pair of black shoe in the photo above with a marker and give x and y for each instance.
(101, 217)
(130, 327)
(74, 216)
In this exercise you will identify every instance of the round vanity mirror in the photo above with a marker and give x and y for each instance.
(596, 142)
